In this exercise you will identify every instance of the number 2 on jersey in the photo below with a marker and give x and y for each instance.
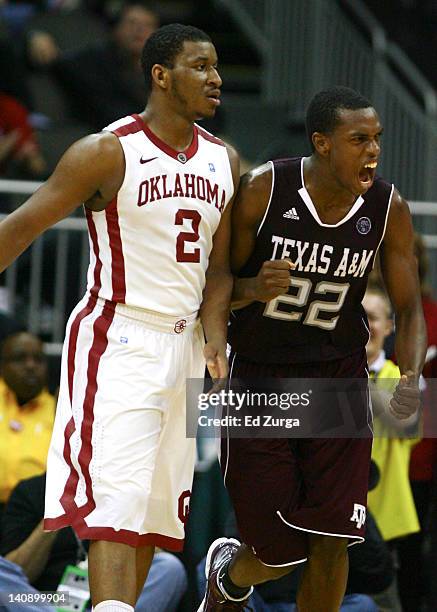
(181, 254)
(315, 308)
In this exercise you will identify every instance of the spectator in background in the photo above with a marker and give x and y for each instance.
(19, 150)
(13, 74)
(27, 411)
(391, 501)
(416, 576)
(106, 82)
(40, 558)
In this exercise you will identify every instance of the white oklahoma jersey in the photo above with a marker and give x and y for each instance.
(120, 466)
(150, 246)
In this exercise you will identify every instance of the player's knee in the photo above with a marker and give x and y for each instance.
(327, 547)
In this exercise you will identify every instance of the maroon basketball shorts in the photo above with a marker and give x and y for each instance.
(283, 489)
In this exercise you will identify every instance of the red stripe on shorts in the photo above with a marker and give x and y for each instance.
(117, 258)
(73, 478)
(98, 347)
(72, 342)
(124, 536)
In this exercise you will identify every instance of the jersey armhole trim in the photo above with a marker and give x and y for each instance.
(270, 198)
(385, 223)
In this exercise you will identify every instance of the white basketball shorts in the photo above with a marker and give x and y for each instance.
(120, 467)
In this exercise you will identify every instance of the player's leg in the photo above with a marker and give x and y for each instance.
(112, 572)
(112, 400)
(144, 559)
(324, 578)
(261, 479)
(246, 569)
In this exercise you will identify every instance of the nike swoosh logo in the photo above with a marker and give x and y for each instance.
(145, 161)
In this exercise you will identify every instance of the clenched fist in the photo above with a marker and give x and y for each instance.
(272, 280)
(406, 398)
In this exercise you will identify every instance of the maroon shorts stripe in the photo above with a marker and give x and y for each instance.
(73, 477)
(72, 341)
(117, 258)
(98, 347)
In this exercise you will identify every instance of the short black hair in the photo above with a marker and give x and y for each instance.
(164, 45)
(322, 112)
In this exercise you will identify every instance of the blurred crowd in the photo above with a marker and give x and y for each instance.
(64, 61)
(88, 54)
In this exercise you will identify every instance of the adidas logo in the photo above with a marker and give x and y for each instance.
(291, 214)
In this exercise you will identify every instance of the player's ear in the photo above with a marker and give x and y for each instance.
(160, 75)
(321, 143)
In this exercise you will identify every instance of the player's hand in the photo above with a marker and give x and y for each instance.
(273, 279)
(406, 398)
(217, 364)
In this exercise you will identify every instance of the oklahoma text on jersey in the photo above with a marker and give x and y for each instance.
(185, 185)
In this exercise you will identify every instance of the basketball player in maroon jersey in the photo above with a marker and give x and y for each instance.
(305, 235)
(157, 190)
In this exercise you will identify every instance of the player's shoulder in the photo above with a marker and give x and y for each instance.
(258, 179)
(100, 147)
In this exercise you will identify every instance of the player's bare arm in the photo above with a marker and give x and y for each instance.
(214, 311)
(91, 171)
(249, 208)
(399, 269)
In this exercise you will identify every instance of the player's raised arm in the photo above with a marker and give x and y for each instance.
(249, 208)
(93, 167)
(399, 268)
(214, 311)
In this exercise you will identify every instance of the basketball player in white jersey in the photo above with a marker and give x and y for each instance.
(157, 191)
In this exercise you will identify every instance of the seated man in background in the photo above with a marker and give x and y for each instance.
(105, 82)
(391, 501)
(27, 411)
(34, 559)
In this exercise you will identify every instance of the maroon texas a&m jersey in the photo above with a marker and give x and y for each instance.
(321, 317)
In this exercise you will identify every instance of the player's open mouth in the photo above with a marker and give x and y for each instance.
(214, 97)
(367, 173)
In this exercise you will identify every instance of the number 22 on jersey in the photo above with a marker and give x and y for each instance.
(315, 308)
